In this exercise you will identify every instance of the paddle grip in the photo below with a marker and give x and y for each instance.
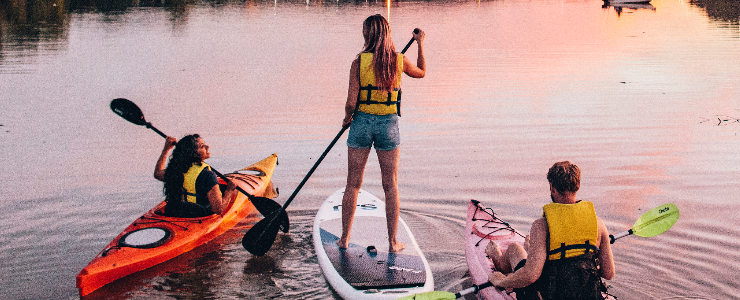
(409, 43)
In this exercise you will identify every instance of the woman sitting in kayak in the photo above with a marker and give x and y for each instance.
(372, 108)
(190, 187)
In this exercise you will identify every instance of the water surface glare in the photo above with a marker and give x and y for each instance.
(644, 99)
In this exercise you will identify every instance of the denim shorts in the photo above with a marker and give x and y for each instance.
(368, 130)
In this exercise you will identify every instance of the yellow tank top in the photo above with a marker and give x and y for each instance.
(189, 181)
(370, 99)
(573, 229)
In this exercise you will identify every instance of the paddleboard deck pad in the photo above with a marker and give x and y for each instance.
(366, 270)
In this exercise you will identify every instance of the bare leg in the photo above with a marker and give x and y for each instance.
(506, 262)
(357, 158)
(389, 171)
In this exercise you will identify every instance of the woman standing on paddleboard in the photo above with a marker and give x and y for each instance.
(372, 109)
(190, 187)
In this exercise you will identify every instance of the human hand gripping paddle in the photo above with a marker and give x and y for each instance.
(266, 206)
(651, 223)
(261, 236)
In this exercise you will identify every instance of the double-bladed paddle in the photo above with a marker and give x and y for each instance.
(651, 223)
(261, 236)
(131, 112)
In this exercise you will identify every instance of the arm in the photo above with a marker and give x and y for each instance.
(418, 70)
(535, 260)
(218, 205)
(354, 88)
(606, 258)
(159, 168)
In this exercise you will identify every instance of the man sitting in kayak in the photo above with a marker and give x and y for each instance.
(567, 252)
(190, 187)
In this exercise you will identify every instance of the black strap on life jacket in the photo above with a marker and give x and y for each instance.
(368, 99)
(587, 246)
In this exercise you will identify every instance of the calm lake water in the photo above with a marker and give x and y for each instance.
(645, 100)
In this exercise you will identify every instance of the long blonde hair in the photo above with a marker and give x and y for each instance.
(378, 41)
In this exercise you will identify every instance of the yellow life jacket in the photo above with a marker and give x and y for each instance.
(372, 101)
(573, 229)
(188, 183)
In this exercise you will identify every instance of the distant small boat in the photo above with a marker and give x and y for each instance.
(616, 2)
(619, 5)
(633, 5)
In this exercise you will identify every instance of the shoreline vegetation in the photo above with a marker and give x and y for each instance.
(28, 27)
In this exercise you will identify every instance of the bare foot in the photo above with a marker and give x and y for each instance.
(494, 254)
(396, 247)
(343, 244)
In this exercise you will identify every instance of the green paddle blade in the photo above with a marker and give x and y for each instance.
(656, 220)
(436, 295)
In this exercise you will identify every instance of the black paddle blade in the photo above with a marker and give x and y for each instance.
(285, 225)
(261, 236)
(267, 207)
(127, 110)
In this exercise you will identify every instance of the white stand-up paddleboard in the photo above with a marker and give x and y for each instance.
(366, 270)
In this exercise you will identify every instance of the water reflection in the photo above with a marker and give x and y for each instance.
(722, 10)
(514, 86)
(30, 26)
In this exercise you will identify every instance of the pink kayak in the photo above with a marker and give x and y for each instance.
(482, 227)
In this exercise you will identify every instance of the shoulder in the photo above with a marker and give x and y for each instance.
(602, 227)
(406, 59)
(539, 226)
(207, 178)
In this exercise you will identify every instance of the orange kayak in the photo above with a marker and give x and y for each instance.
(152, 238)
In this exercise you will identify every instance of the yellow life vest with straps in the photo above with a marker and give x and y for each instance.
(188, 183)
(373, 101)
(573, 229)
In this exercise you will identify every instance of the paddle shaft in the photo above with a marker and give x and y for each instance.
(613, 238)
(315, 165)
(149, 125)
(473, 289)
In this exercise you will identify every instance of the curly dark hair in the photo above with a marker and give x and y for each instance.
(564, 177)
(183, 157)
